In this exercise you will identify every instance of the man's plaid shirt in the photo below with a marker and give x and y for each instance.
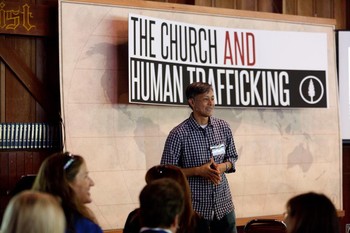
(188, 145)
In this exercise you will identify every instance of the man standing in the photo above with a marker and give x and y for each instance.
(203, 147)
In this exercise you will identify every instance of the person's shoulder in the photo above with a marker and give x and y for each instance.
(181, 127)
(218, 121)
(132, 223)
(84, 225)
(134, 213)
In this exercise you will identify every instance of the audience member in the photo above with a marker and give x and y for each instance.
(190, 221)
(66, 176)
(33, 212)
(161, 204)
(311, 213)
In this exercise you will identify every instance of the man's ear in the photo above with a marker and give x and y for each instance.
(191, 102)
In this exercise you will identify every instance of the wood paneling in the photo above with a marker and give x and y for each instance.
(340, 13)
(19, 108)
(2, 91)
(324, 8)
(230, 4)
(13, 165)
(274, 6)
(29, 87)
(204, 2)
(250, 5)
(346, 6)
(22, 63)
(306, 8)
(290, 7)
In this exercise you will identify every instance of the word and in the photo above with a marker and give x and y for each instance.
(239, 49)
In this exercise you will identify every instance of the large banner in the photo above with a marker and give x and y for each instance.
(247, 68)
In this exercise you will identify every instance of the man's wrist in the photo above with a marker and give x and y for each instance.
(228, 166)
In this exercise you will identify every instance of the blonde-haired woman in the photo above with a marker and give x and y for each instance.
(33, 212)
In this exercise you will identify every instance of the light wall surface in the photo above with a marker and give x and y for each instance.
(282, 152)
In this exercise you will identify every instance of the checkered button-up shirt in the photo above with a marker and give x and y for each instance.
(189, 145)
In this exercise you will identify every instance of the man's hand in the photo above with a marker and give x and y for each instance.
(211, 171)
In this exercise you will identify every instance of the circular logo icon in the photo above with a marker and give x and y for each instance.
(311, 89)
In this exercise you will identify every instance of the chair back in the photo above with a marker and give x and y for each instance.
(265, 226)
(24, 183)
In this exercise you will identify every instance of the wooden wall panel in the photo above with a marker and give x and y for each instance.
(13, 165)
(203, 2)
(318, 8)
(21, 166)
(306, 8)
(23, 46)
(19, 104)
(313, 8)
(4, 172)
(22, 68)
(347, 14)
(47, 71)
(189, 2)
(12, 170)
(250, 5)
(324, 8)
(2, 90)
(266, 6)
(29, 68)
(16, 164)
(341, 11)
(290, 7)
(230, 4)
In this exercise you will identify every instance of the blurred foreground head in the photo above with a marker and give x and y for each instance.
(33, 212)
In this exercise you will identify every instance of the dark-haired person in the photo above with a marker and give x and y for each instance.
(66, 176)
(203, 147)
(189, 221)
(161, 205)
(311, 213)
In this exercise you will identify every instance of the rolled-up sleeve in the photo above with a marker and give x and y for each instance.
(231, 152)
(172, 149)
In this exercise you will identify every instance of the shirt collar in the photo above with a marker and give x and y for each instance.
(195, 124)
